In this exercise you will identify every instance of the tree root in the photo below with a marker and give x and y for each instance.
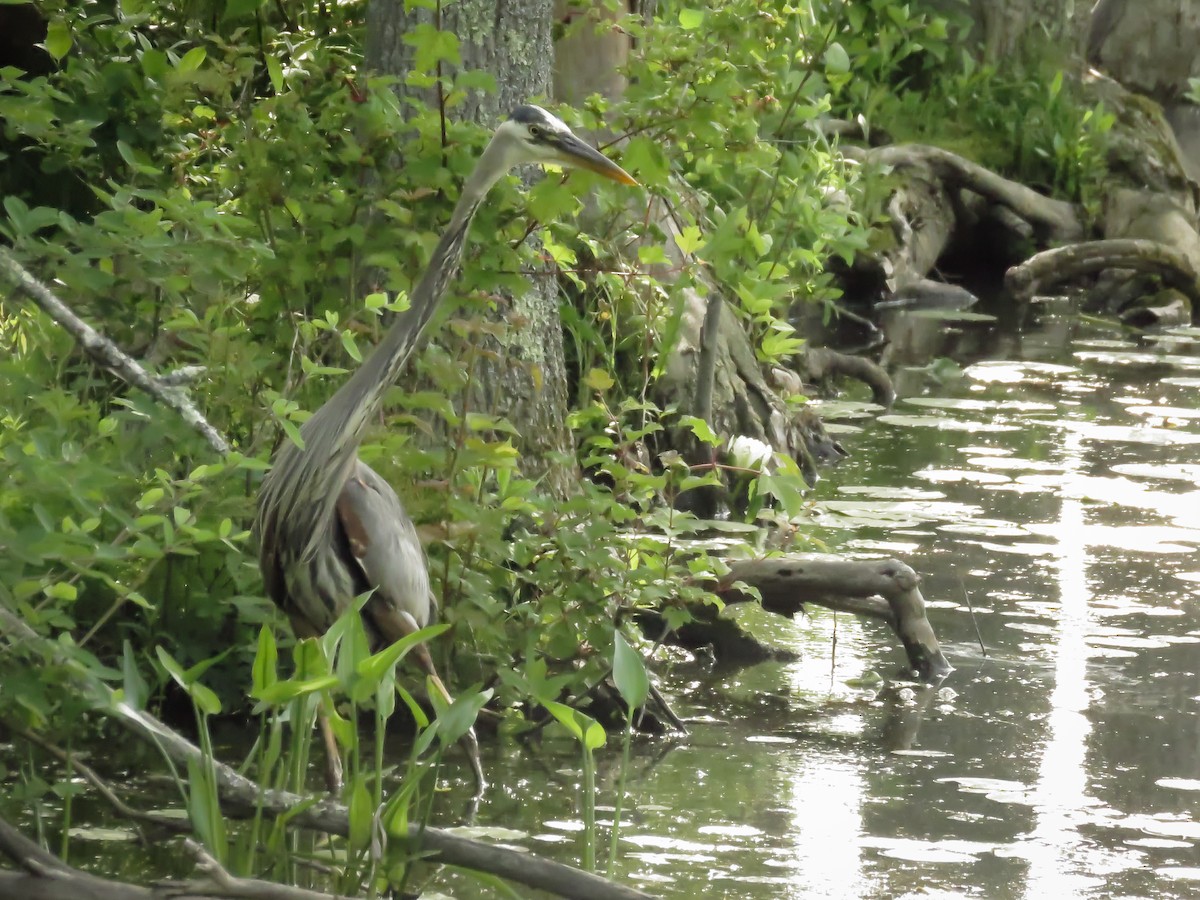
(1075, 260)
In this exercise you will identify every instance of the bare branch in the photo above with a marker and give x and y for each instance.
(106, 353)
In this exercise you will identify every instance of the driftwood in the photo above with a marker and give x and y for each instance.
(887, 590)
(241, 797)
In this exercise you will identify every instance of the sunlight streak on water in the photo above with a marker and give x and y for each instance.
(828, 802)
(1061, 789)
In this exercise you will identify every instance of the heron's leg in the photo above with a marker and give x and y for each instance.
(470, 743)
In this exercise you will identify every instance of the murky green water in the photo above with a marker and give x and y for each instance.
(1056, 484)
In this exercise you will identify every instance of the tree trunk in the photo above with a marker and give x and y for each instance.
(511, 40)
(1001, 28)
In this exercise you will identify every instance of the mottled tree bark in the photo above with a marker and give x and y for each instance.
(510, 39)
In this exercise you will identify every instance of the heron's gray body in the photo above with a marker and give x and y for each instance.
(329, 528)
(369, 543)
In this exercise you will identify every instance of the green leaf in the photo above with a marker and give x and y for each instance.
(61, 590)
(264, 672)
(135, 687)
(629, 672)
(837, 60)
(691, 19)
(598, 380)
(293, 433)
(566, 717)
(432, 46)
(205, 698)
(275, 73)
(361, 813)
(690, 239)
(701, 429)
(351, 347)
(58, 39)
(353, 649)
(284, 691)
(371, 670)
(593, 736)
(583, 727)
(456, 719)
(192, 60)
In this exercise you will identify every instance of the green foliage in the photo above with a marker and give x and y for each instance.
(1026, 118)
(216, 185)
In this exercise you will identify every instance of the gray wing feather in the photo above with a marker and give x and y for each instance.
(384, 543)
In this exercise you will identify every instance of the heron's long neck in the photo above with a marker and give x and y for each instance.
(333, 433)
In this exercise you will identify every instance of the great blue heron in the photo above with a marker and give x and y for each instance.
(329, 528)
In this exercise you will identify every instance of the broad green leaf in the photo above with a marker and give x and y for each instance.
(310, 658)
(205, 698)
(192, 60)
(565, 716)
(689, 240)
(459, 716)
(700, 429)
(275, 73)
(134, 685)
(691, 19)
(283, 691)
(629, 672)
(61, 590)
(58, 39)
(372, 668)
(414, 708)
(598, 380)
(353, 649)
(837, 60)
(593, 735)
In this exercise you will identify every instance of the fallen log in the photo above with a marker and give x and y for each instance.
(885, 589)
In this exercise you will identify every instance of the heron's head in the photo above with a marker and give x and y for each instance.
(532, 135)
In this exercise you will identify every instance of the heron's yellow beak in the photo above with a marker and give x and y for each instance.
(575, 152)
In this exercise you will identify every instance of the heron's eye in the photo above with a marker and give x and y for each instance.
(535, 131)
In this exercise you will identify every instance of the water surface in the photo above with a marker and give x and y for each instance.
(1055, 489)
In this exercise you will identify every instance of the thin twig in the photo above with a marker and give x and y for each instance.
(106, 353)
(974, 621)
